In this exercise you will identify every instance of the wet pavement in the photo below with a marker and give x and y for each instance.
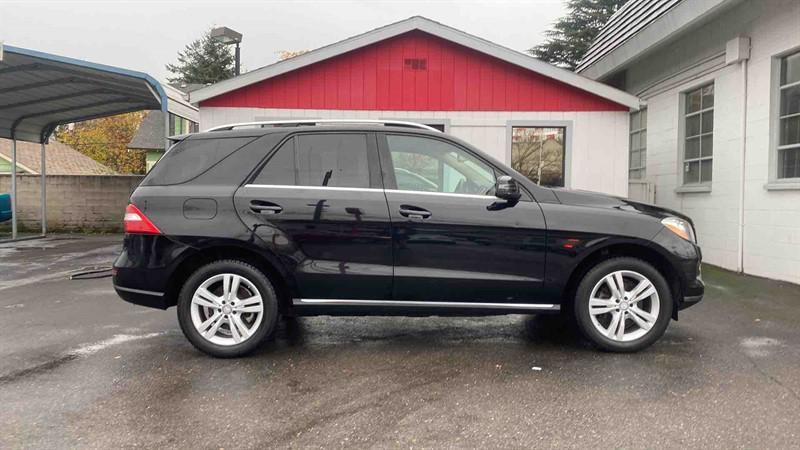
(81, 368)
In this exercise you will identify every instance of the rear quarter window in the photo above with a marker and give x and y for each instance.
(191, 157)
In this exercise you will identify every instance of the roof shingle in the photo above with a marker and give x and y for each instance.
(150, 134)
(61, 159)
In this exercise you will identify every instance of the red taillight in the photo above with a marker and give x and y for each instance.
(137, 223)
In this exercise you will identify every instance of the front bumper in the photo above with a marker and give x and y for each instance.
(690, 301)
(692, 293)
(685, 257)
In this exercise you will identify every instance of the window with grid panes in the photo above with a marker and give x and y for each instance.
(638, 145)
(698, 146)
(789, 118)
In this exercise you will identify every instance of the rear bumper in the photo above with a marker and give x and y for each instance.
(150, 299)
(141, 273)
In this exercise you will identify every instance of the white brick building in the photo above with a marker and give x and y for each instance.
(730, 157)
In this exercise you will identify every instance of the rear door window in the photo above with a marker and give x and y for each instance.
(334, 160)
(191, 157)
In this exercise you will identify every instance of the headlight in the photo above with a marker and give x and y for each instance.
(680, 227)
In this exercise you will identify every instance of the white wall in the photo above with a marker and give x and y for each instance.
(772, 218)
(771, 226)
(597, 156)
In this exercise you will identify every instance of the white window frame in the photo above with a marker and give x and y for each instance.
(704, 186)
(568, 130)
(775, 183)
(641, 131)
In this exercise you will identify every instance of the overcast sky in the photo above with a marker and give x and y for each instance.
(145, 35)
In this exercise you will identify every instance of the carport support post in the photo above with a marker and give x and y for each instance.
(44, 191)
(13, 188)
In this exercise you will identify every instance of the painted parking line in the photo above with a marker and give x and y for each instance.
(81, 351)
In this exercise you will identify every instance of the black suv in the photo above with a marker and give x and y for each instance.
(244, 223)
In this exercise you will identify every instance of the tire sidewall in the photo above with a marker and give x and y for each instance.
(255, 276)
(583, 293)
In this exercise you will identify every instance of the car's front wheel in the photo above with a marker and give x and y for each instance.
(227, 308)
(623, 304)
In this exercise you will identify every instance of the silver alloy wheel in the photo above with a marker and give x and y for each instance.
(624, 305)
(227, 309)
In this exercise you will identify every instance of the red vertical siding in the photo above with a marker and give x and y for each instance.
(449, 77)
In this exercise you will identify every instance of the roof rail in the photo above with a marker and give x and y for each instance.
(314, 122)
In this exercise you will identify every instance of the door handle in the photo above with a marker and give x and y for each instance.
(414, 212)
(262, 207)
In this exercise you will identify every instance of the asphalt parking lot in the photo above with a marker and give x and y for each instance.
(81, 368)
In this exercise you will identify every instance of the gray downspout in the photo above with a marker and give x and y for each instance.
(743, 154)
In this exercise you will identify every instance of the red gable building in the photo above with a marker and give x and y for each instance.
(502, 101)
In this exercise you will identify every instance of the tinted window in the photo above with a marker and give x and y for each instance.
(280, 168)
(336, 160)
(430, 165)
(191, 157)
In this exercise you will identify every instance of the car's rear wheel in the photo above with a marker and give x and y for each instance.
(623, 305)
(227, 308)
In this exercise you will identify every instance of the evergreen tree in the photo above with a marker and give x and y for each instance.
(572, 34)
(203, 61)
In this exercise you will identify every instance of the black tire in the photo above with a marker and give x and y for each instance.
(252, 274)
(597, 273)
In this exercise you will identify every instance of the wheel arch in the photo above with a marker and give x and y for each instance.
(269, 264)
(641, 251)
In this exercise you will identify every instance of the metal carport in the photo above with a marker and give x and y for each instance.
(39, 91)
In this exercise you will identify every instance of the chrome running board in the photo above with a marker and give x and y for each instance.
(418, 304)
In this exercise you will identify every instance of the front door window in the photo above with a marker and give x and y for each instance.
(431, 165)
